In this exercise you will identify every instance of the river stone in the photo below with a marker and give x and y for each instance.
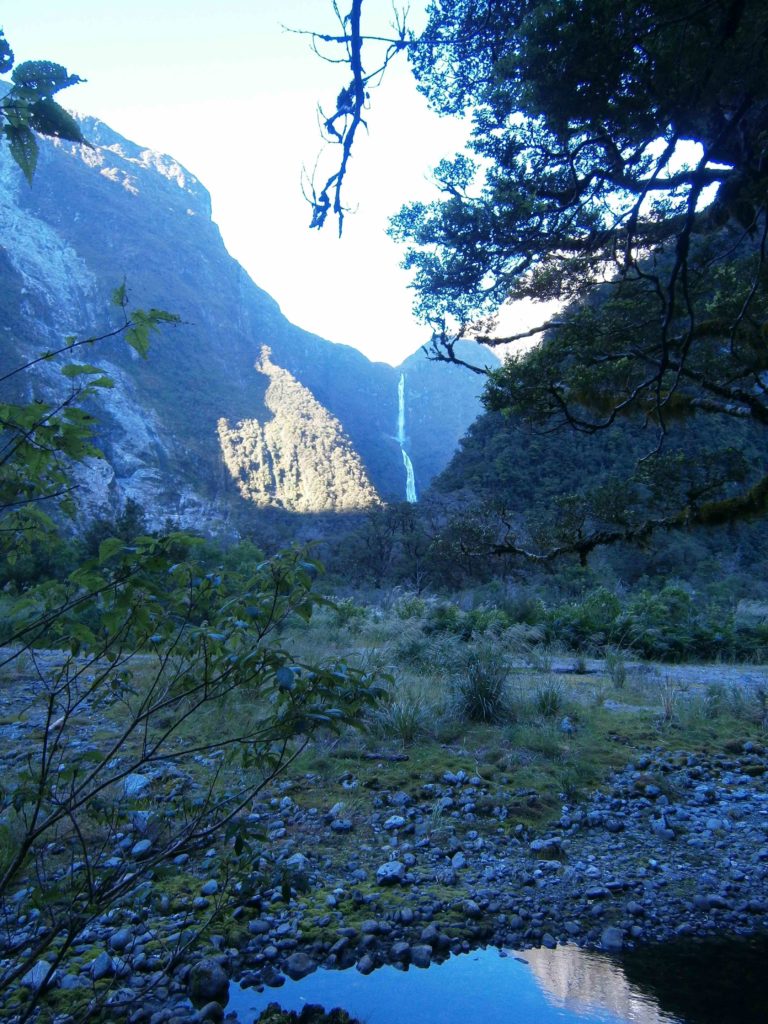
(365, 964)
(395, 821)
(211, 1011)
(299, 965)
(471, 909)
(208, 982)
(120, 940)
(134, 785)
(390, 873)
(102, 967)
(36, 975)
(421, 956)
(272, 977)
(141, 849)
(258, 927)
(400, 951)
(612, 939)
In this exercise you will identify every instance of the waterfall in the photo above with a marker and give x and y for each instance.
(410, 479)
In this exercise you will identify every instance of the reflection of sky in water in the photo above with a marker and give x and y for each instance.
(561, 986)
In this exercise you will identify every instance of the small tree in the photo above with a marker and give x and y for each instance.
(182, 667)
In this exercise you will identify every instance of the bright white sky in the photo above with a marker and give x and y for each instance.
(224, 89)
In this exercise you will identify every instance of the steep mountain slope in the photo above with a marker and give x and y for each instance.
(97, 216)
(545, 482)
(300, 460)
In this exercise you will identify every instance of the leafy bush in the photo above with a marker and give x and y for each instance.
(410, 607)
(485, 620)
(589, 622)
(446, 618)
(347, 611)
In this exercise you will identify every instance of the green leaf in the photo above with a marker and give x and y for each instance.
(42, 78)
(23, 149)
(108, 548)
(285, 678)
(79, 369)
(138, 338)
(6, 54)
(48, 118)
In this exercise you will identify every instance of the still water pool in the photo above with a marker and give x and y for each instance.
(706, 983)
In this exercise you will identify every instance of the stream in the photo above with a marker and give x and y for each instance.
(686, 983)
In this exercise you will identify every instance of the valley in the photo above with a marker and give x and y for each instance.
(445, 678)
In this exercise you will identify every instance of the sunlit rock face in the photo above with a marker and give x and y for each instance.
(97, 216)
(299, 459)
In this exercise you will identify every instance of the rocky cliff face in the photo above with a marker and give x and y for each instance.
(117, 212)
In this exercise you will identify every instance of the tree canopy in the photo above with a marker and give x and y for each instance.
(618, 163)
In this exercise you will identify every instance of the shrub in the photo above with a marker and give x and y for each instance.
(616, 667)
(447, 618)
(487, 620)
(548, 700)
(481, 686)
(346, 612)
(405, 719)
(410, 607)
(589, 622)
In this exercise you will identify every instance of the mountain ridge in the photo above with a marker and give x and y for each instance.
(116, 211)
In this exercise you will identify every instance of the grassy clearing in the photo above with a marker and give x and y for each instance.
(487, 699)
(542, 728)
(491, 702)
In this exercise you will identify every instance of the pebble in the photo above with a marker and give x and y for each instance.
(584, 880)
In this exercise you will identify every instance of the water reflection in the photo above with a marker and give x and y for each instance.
(585, 982)
(706, 982)
(561, 986)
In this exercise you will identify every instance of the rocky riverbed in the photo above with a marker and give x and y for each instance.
(675, 845)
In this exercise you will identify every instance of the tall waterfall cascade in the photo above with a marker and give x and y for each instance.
(410, 479)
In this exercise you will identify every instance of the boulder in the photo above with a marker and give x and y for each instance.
(391, 873)
(612, 939)
(299, 965)
(134, 785)
(421, 956)
(36, 975)
(208, 983)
